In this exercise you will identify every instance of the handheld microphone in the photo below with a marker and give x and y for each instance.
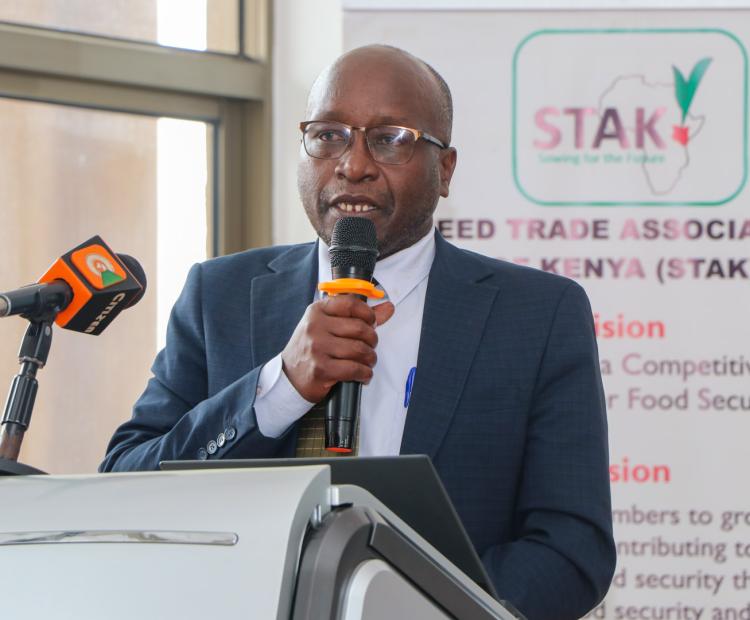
(84, 290)
(353, 255)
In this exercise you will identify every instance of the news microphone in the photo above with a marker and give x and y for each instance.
(353, 253)
(35, 299)
(136, 270)
(83, 290)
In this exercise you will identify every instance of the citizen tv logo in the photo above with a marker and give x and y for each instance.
(630, 117)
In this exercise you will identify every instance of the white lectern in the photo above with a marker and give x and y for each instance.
(251, 543)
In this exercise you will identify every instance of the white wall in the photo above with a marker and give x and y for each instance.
(307, 36)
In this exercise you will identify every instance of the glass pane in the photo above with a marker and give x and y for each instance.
(141, 183)
(192, 24)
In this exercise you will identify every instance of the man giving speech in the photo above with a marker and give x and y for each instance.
(504, 391)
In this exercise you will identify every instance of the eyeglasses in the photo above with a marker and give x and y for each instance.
(388, 144)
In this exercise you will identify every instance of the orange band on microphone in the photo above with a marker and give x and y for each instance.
(339, 450)
(351, 286)
(60, 270)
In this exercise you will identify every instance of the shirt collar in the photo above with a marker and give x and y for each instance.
(399, 273)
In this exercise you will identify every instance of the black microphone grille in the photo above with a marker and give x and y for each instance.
(354, 245)
(134, 267)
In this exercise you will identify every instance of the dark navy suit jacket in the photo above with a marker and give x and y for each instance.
(507, 402)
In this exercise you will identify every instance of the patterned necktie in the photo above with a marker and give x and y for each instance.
(311, 433)
(311, 436)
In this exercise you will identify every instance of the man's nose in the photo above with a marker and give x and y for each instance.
(356, 164)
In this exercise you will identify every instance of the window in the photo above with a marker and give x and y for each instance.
(161, 151)
(190, 24)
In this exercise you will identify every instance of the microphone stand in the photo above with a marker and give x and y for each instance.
(33, 355)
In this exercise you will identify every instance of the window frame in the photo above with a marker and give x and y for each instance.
(231, 92)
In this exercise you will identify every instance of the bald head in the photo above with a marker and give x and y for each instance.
(372, 87)
(403, 68)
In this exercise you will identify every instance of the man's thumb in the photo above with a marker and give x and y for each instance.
(383, 312)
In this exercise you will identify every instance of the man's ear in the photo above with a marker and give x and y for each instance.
(447, 166)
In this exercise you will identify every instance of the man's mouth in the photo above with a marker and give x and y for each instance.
(354, 207)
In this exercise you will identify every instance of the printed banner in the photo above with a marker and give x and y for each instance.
(611, 148)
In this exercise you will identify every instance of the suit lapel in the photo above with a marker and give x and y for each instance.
(456, 308)
(279, 299)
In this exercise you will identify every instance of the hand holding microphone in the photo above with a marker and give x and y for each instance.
(334, 343)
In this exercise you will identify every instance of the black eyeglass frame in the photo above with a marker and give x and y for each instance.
(417, 133)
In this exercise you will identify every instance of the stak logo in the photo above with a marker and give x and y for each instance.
(630, 117)
(684, 91)
(611, 124)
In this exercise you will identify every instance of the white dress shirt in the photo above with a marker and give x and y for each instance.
(403, 277)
